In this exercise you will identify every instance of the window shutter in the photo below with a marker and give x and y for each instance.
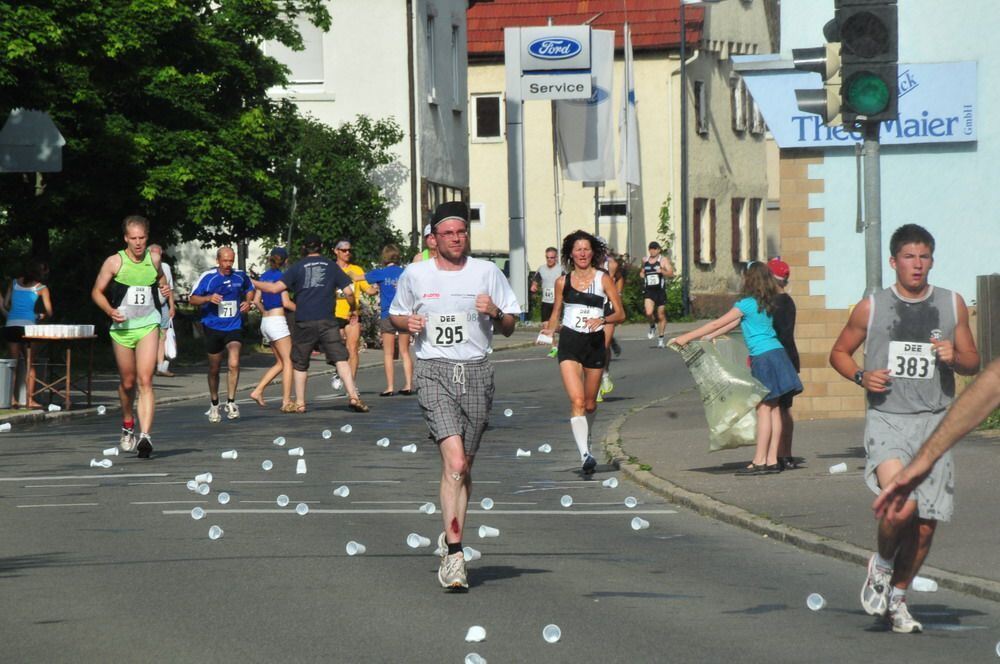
(696, 230)
(711, 234)
(737, 236)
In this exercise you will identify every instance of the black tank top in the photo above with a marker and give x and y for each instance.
(651, 277)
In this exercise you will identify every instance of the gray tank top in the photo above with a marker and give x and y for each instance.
(899, 334)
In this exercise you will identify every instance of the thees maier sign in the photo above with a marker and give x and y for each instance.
(554, 62)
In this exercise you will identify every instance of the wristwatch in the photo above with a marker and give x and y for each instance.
(499, 315)
(859, 376)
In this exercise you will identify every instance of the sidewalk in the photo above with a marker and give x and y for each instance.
(808, 506)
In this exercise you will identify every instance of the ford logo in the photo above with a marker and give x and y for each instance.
(554, 48)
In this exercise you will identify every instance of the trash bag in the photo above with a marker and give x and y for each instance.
(728, 392)
(170, 343)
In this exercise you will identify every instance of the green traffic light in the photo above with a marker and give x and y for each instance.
(867, 94)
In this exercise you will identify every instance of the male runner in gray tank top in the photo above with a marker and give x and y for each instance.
(916, 338)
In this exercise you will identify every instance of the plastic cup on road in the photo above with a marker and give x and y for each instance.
(474, 658)
(507, 412)
(296, 451)
(223, 498)
(815, 601)
(428, 508)
(197, 513)
(347, 428)
(342, 491)
(355, 548)
(544, 448)
(101, 410)
(417, 541)
(267, 464)
(475, 634)
(103, 463)
(638, 523)
(486, 504)
(471, 554)
(327, 434)
(566, 501)
(203, 478)
(54, 408)
(5, 426)
(215, 533)
(631, 502)
(410, 449)
(488, 531)
(924, 585)
(382, 442)
(230, 454)
(111, 451)
(838, 468)
(279, 441)
(523, 453)
(282, 500)
(300, 467)
(551, 633)
(203, 489)
(302, 509)
(192, 485)
(610, 483)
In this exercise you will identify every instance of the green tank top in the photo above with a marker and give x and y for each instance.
(427, 254)
(135, 284)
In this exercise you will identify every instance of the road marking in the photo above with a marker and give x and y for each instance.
(169, 502)
(368, 481)
(155, 483)
(63, 505)
(82, 477)
(266, 482)
(563, 512)
(54, 486)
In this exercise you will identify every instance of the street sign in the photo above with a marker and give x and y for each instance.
(556, 86)
(555, 48)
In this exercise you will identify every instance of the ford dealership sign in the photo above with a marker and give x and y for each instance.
(554, 48)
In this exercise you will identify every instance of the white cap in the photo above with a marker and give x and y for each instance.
(427, 230)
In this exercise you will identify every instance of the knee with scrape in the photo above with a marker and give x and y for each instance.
(457, 477)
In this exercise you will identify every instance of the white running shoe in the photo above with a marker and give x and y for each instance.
(875, 591)
(232, 410)
(213, 413)
(651, 333)
(442, 548)
(127, 442)
(336, 382)
(900, 619)
(452, 574)
(659, 344)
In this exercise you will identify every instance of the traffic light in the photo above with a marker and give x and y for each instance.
(825, 61)
(869, 52)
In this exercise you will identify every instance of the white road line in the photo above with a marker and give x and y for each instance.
(438, 481)
(563, 512)
(169, 502)
(266, 482)
(54, 486)
(82, 477)
(63, 505)
(149, 483)
(368, 481)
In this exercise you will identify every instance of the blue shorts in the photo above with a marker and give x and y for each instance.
(776, 372)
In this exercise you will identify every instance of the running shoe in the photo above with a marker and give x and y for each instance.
(442, 543)
(145, 447)
(875, 592)
(600, 395)
(232, 410)
(127, 441)
(659, 344)
(652, 332)
(335, 382)
(615, 348)
(452, 574)
(213, 413)
(554, 352)
(589, 464)
(900, 619)
(607, 385)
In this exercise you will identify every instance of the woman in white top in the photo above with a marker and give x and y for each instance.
(18, 306)
(581, 296)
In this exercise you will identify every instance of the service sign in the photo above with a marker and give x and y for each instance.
(556, 86)
(937, 104)
(555, 48)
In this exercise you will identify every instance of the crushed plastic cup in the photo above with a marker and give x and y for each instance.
(192, 485)
(544, 448)
(197, 513)
(551, 633)
(355, 548)
(382, 442)
(631, 502)
(410, 449)
(296, 451)
(566, 501)
(111, 451)
(300, 467)
(347, 428)
(215, 533)
(279, 441)
(342, 491)
(428, 508)
(838, 468)
(302, 509)
(5, 426)
(267, 464)
(417, 541)
(610, 483)
(523, 453)
(488, 531)
(101, 410)
(475, 634)
(103, 463)
(474, 658)
(203, 478)
(336, 383)
(203, 489)
(327, 434)
(471, 554)
(638, 523)
(230, 454)
(486, 504)
(282, 500)
(508, 412)
(223, 498)
(924, 585)
(54, 408)
(543, 339)
(815, 601)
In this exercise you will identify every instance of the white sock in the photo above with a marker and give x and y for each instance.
(897, 594)
(581, 432)
(882, 562)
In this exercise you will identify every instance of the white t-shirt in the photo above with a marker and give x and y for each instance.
(447, 299)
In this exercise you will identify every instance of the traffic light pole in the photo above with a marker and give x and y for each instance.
(873, 209)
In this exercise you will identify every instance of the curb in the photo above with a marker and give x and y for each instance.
(711, 507)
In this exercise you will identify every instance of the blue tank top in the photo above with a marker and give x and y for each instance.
(22, 304)
(271, 300)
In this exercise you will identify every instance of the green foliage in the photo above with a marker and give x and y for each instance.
(992, 421)
(633, 300)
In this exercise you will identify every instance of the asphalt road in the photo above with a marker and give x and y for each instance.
(109, 566)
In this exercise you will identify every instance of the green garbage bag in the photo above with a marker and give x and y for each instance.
(728, 392)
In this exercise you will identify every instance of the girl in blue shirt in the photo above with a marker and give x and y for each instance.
(769, 361)
(386, 278)
(274, 328)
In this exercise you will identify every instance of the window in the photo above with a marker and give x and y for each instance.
(738, 98)
(436, 193)
(700, 108)
(305, 66)
(704, 230)
(477, 214)
(613, 211)
(429, 61)
(488, 118)
(456, 72)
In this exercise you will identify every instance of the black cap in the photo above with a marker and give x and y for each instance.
(280, 252)
(312, 241)
(451, 210)
(654, 245)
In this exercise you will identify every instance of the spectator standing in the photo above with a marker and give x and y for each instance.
(386, 279)
(19, 306)
(784, 327)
